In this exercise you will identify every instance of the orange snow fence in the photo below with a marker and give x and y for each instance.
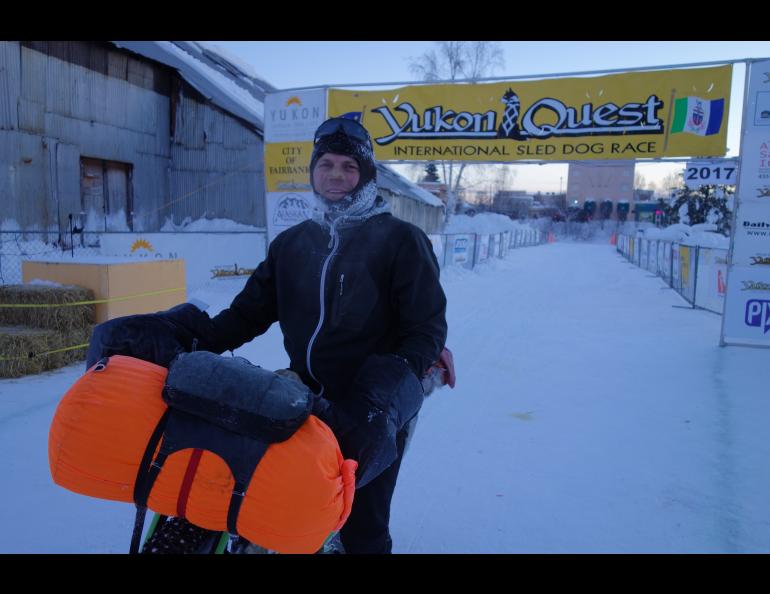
(301, 491)
(614, 239)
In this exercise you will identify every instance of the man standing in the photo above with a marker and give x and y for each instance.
(356, 292)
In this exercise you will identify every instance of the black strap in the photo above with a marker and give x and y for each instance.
(138, 526)
(179, 431)
(142, 484)
(141, 488)
(236, 500)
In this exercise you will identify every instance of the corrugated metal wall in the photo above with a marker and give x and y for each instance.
(217, 169)
(428, 218)
(60, 101)
(10, 84)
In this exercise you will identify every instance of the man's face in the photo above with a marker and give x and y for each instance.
(335, 176)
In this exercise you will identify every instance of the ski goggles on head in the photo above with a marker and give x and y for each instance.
(347, 126)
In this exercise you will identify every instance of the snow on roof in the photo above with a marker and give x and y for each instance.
(215, 76)
(390, 180)
(235, 65)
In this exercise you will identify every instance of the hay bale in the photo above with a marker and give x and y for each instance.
(22, 350)
(61, 319)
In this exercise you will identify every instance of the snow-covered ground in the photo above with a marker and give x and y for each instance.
(592, 413)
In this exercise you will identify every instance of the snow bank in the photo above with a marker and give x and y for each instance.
(483, 223)
(703, 235)
(9, 225)
(710, 240)
(204, 225)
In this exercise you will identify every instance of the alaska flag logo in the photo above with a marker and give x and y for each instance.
(353, 115)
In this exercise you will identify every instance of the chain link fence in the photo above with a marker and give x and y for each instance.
(17, 246)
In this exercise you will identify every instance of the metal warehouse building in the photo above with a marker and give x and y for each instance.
(132, 136)
(123, 141)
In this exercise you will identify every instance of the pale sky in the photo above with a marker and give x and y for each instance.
(291, 64)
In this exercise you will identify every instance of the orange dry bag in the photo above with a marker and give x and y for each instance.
(114, 437)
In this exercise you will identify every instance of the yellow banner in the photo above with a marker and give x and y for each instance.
(620, 116)
(287, 165)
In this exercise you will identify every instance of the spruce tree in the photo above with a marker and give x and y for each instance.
(706, 204)
(431, 173)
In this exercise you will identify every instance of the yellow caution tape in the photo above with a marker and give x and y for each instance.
(127, 298)
(33, 355)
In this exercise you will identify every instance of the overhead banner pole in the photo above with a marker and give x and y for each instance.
(746, 319)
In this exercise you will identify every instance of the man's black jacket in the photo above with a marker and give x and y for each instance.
(341, 297)
(366, 338)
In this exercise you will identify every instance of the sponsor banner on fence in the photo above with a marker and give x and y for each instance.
(660, 258)
(483, 248)
(494, 245)
(619, 116)
(712, 275)
(747, 302)
(462, 248)
(675, 266)
(685, 253)
(653, 256)
(286, 209)
(202, 252)
(751, 246)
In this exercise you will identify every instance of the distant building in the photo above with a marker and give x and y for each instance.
(409, 201)
(550, 205)
(644, 195)
(513, 203)
(600, 182)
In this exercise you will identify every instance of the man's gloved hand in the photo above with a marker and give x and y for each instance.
(384, 397)
(156, 338)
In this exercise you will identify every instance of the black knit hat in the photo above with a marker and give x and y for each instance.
(343, 136)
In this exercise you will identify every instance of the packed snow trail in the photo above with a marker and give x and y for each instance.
(592, 414)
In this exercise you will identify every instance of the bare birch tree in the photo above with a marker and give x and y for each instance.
(453, 60)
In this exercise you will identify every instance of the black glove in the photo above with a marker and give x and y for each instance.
(384, 397)
(156, 338)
